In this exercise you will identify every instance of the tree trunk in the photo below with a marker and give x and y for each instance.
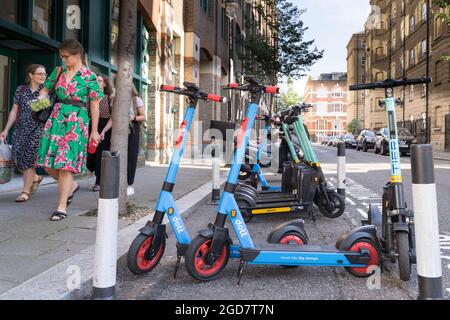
(122, 100)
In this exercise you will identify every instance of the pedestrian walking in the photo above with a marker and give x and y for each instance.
(27, 132)
(136, 117)
(104, 127)
(63, 149)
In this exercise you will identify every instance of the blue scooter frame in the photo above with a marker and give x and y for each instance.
(209, 252)
(148, 247)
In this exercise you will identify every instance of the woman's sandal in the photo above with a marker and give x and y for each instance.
(35, 185)
(20, 198)
(59, 215)
(95, 188)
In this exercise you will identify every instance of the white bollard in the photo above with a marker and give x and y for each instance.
(105, 261)
(426, 223)
(215, 173)
(341, 168)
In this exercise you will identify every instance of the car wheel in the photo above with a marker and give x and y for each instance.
(383, 150)
(365, 147)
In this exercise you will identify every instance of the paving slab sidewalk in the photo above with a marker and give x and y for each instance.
(30, 244)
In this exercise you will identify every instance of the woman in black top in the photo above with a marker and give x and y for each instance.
(104, 127)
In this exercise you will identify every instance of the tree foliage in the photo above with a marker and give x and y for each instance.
(286, 53)
(291, 97)
(354, 125)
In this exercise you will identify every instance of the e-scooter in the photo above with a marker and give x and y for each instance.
(307, 178)
(209, 252)
(396, 223)
(148, 247)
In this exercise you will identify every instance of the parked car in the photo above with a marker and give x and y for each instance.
(324, 141)
(405, 140)
(337, 140)
(331, 140)
(365, 140)
(349, 140)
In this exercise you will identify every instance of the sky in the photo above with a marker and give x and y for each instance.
(331, 24)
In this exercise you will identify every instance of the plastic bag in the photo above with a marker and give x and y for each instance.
(6, 163)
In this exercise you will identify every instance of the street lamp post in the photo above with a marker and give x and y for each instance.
(230, 9)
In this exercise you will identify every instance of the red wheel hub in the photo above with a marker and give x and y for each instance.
(200, 265)
(292, 239)
(144, 263)
(373, 256)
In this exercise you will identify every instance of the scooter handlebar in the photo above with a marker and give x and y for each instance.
(216, 98)
(389, 84)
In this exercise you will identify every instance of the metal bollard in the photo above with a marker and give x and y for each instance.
(426, 223)
(341, 168)
(215, 173)
(105, 261)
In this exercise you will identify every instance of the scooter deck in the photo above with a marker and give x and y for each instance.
(276, 207)
(282, 197)
(312, 255)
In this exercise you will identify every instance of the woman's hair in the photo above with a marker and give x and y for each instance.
(134, 92)
(108, 90)
(73, 47)
(32, 69)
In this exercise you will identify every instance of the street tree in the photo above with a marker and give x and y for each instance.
(290, 97)
(286, 54)
(353, 126)
(126, 48)
(443, 12)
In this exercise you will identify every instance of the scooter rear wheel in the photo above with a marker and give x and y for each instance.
(375, 257)
(195, 257)
(404, 262)
(335, 208)
(136, 261)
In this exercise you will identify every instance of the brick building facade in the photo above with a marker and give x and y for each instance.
(328, 96)
(396, 47)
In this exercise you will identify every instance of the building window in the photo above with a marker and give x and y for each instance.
(424, 90)
(363, 61)
(394, 41)
(9, 11)
(424, 11)
(115, 33)
(411, 93)
(205, 5)
(412, 57)
(42, 17)
(423, 49)
(337, 107)
(437, 27)
(322, 93)
(380, 52)
(224, 25)
(412, 24)
(321, 108)
(337, 93)
(393, 70)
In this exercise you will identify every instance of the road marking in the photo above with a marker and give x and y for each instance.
(364, 214)
(350, 201)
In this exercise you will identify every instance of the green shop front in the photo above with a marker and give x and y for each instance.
(31, 30)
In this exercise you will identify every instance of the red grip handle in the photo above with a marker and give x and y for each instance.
(216, 98)
(167, 88)
(233, 85)
(272, 90)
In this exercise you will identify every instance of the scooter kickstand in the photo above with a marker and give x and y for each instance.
(240, 271)
(177, 266)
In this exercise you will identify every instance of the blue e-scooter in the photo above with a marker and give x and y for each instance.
(209, 252)
(148, 247)
(253, 172)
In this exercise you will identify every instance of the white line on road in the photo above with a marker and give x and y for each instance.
(364, 214)
(350, 201)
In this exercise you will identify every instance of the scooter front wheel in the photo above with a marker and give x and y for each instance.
(404, 262)
(196, 259)
(335, 208)
(374, 260)
(137, 261)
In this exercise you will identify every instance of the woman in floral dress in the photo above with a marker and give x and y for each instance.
(63, 149)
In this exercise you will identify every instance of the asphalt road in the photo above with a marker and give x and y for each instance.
(366, 173)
